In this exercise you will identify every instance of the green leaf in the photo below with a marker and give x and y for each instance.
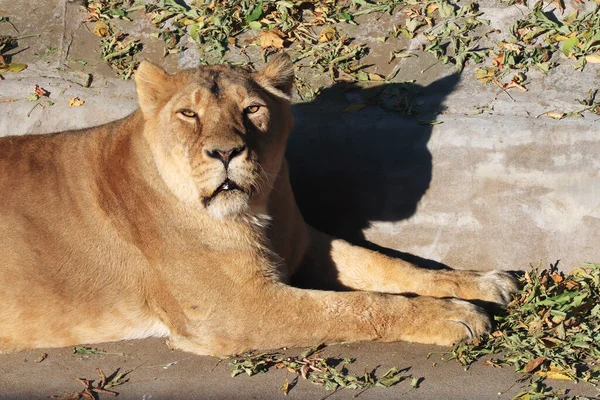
(255, 25)
(194, 33)
(569, 45)
(412, 24)
(446, 9)
(256, 13)
(344, 16)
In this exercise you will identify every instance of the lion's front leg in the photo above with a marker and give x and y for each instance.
(283, 316)
(334, 262)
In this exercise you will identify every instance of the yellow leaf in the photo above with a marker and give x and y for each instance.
(555, 114)
(511, 46)
(101, 29)
(354, 108)
(432, 8)
(271, 38)
(76, 102)
(555, 373)
(376, 77)
(593, 58)
(560, 38)
(16, 67)
(327, 34)
(188, 21)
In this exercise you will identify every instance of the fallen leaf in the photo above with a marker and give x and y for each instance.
(430, 122)
(431, 8)
(76, 102)
(271, 38)
(285, 388)
(255, 25)
(560, 5)
(40, 91)
(491, 363)
(376, 77)
(327, 34)
(555, 114)
(42, 357)
(101, 29)
(16, 67)
(555, 373)
(354, 108)
(569, 45)
(534, 364)
(593, 58)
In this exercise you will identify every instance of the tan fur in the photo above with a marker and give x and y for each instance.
(115, 232)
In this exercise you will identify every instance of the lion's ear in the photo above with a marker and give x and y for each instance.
(152, 86)
(277, 77)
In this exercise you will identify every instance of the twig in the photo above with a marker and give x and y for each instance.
(431, 66)
(124, 51)
(33, 108)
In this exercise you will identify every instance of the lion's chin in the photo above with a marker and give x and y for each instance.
(228, 204)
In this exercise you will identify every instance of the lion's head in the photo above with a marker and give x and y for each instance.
(218, 133)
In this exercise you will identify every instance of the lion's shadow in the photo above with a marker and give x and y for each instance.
(352, 166)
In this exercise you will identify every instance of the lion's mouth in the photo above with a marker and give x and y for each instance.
(227, 186)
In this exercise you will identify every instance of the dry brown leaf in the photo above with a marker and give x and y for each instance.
(534, 364)
(513, 84)
(40, 91)
(491, 363)
(327, 34)
(101, 29)
(497, 61)
(556, 277)
(76, 102)
(560, 5)
(271, 38)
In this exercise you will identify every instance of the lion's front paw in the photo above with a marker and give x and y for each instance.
(497, 287)
(464, 322)
(449, 321)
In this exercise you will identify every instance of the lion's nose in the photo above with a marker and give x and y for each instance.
(225, 155)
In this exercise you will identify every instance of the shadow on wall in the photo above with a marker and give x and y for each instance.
(350, 168)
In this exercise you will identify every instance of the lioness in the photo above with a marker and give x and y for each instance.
(179, 221)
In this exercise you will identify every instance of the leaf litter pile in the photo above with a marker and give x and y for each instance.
(318, 35)
(330, 373)
(550, 329)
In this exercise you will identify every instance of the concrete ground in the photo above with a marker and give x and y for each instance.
(498, 189)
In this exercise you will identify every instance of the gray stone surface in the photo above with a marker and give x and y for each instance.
(499, 189)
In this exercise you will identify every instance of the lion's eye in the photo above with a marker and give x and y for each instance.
(251, 109)
(188, 113)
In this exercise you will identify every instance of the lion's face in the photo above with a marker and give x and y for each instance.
(218, 133)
